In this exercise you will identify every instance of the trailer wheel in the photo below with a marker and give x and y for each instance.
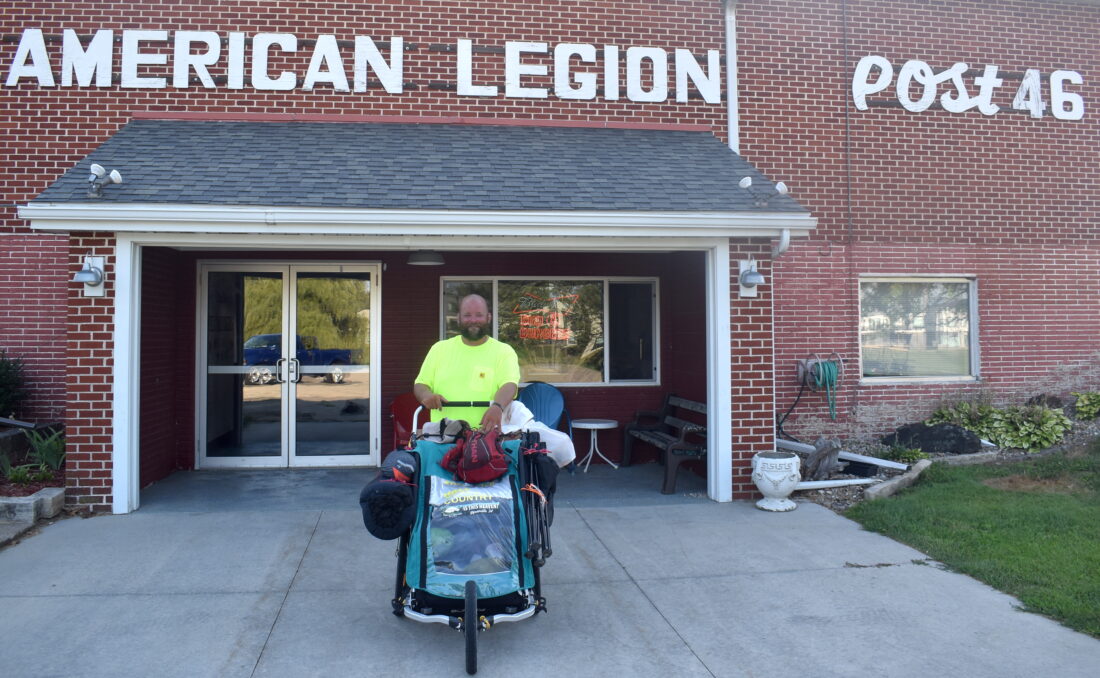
(470, 626)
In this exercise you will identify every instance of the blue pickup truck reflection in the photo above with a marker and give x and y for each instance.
(262, 352)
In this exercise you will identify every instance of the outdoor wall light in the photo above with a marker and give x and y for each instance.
(749, 277)
(91, 274)
(762, 196)
(99, 178)
(425, 258)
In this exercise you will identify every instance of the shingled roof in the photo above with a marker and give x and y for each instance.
(417, 166)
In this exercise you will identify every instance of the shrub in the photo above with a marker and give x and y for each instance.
(1088, 405)
(1031, 427)
(20, 475)
(12, 392)
(904, 455)
(47, 450)
(971, 416)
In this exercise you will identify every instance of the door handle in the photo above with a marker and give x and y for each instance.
(295, 373)
(279, 365)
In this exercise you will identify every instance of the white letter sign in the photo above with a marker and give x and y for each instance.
(96, 60)
(261, 45)
(659, 59)
(32, 45)
(709, 84)
(466, 73)
(861, 88)
(563, 77)
(184, 60)
(391, 75)
(132, 58)
(326, 53)
(1030, 95)
(514, 69)
(1059, 97)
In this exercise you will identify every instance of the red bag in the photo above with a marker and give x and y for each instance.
(476, 458)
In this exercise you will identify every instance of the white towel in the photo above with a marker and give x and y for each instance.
(517, 417)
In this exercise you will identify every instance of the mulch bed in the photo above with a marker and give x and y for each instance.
(8, 489)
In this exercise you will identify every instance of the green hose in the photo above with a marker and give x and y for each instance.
(825, 376)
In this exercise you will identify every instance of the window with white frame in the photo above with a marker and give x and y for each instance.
(569, 330)
(913, 327)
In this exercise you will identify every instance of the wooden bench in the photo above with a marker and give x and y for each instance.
(677, 438)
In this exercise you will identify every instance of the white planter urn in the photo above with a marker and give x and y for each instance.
(776, 474)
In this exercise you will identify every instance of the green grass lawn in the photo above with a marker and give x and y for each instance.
(1030, 529)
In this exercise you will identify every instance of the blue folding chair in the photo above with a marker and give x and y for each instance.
(547, 404)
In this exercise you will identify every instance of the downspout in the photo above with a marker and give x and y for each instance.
(731, 77)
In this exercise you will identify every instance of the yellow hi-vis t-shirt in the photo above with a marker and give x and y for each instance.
(459, 372)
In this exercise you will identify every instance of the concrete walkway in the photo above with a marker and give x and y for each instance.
(271, 574)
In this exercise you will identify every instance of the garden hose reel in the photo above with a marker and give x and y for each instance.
(819, 374)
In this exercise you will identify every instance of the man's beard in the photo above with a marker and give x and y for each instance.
(473, 332)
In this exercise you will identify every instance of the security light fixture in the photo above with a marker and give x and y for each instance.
(761, 196)
(99, 178)
(425, 258)
(91, 274)
(749, 277)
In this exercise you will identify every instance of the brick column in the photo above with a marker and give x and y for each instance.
(89, 380)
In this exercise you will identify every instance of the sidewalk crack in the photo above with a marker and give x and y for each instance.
(645, 595)
(286, 594)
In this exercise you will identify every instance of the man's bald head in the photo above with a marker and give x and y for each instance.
(475, 299)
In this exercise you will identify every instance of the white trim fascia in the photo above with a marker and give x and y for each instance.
(719, 347)
(125, 431)
(185, 218)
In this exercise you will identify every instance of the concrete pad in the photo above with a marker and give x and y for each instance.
(256, 490)
(670, 586)
(135, 635)
(342, 555)
(899, 621)
(161, 553)
(725, 539)
(591, 630)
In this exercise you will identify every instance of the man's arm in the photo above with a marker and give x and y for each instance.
(430, 400)
(492, 417)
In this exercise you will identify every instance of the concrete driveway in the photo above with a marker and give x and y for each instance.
(262, 573)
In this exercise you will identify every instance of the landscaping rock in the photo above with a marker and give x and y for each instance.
(890, 487)
(938, 439)
(45, 503)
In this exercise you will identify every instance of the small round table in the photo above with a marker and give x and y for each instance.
(595, 425)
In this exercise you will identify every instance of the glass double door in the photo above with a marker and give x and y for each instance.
(285, 355)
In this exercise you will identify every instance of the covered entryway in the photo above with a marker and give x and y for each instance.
(286, 356)
(502, 202)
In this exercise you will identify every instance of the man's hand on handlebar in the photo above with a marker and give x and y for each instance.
(434, 402)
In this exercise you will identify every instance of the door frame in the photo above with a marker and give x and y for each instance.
(287, 391)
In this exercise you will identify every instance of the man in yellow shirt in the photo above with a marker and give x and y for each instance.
(469, 367)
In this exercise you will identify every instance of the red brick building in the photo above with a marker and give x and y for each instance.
(943, 157)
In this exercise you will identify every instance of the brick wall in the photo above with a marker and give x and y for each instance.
(89, 383)
(46, 130)
(32, 318)
(1007, 198)
(1001, 197)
